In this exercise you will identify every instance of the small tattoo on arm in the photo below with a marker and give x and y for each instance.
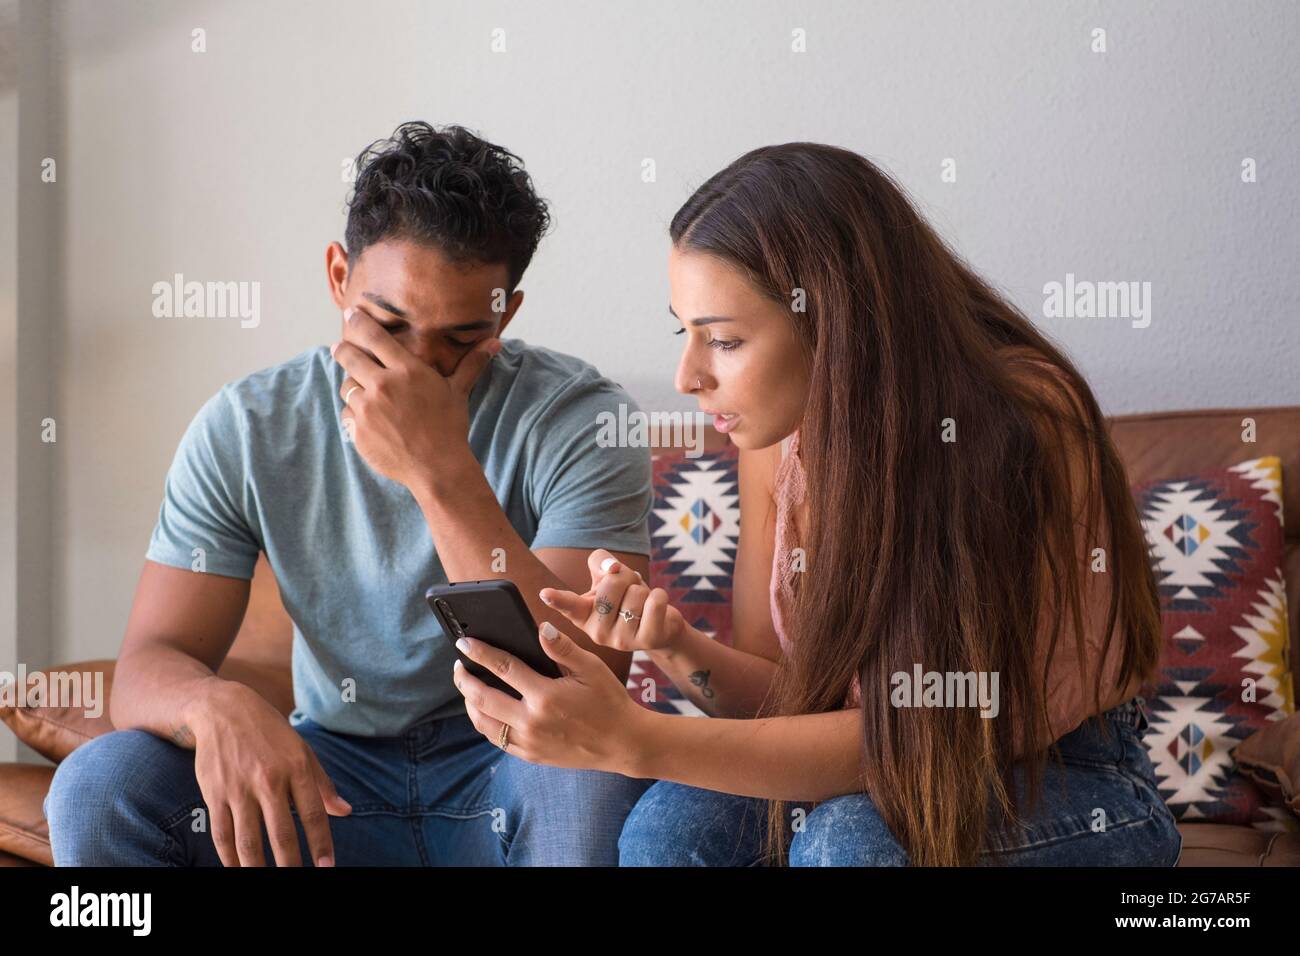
(603, 606)
(701, 680)
(182, 736)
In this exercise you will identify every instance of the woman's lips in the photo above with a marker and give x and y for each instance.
(725, 423)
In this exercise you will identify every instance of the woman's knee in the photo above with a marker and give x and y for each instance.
(845, 831)
(678, 825)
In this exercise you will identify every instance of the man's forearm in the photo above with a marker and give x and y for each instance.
(162, 690)
(475, 541)
(801, 759)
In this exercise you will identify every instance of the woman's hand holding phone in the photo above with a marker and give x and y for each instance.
(620, 611)
(585, 719)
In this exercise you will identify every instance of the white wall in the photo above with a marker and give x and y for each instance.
(226, 165)
(8, 344)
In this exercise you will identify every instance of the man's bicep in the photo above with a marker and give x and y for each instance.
(599, 503)
(193, 612)
(589, 492)
(204, 522)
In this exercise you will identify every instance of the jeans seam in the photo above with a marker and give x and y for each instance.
(162, 853)
(1061, 838)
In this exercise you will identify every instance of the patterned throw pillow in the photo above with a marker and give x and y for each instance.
(694, 531)
(1217, 545)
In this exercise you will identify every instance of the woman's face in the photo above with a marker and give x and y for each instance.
(742, 360)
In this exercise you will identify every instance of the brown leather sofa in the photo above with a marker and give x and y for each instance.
(1168, 444)
(1153, 446)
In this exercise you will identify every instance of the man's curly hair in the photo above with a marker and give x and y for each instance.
(451, 189)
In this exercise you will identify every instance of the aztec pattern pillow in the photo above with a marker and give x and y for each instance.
(1217, 546)
(1217, 542)
(694, 532)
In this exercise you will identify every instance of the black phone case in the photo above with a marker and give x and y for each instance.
(493, 612)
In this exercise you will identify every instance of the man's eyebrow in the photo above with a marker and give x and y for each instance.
(702, 320)
(384, 304)
(401, 314)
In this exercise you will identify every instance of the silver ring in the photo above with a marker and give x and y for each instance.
(627, 615)
(349, 394)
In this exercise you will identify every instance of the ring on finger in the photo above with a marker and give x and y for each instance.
(627, 615)
(349, 393)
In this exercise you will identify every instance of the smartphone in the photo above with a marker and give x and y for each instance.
(493, 612)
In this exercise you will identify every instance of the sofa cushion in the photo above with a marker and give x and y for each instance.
(1224, 674)
(1155, 445)
(54, 732)
(1217, 844)
(8, 859)
(1271, 758)
(694, 530)
(23, 831)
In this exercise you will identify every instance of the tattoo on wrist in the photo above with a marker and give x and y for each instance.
(182, 736)
(701, 680)
(603, 606)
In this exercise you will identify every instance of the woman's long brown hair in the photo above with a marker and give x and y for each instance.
(946, 554)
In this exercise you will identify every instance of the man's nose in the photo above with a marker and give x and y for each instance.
(431, 355)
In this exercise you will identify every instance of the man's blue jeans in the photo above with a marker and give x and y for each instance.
(1099, 807)
(438, 794)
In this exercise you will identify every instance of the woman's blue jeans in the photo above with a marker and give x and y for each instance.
(438, 794)
(1099, 807)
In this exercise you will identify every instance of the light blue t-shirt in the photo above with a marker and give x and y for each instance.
(266, 466)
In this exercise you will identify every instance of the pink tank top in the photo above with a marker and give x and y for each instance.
(1068, 704)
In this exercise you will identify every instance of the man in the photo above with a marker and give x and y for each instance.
(420, 449)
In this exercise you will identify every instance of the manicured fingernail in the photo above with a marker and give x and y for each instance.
(324, 861)
(607, 564)
(347, 316)
(464, 647)
(549, 631)
(458, 666)
(544, 599)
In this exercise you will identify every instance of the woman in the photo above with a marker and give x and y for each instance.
(922, 476)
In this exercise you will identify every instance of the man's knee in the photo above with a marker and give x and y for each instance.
(566, 817)
(103, 796)
(595, 790)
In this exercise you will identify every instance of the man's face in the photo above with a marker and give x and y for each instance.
(436, 309)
